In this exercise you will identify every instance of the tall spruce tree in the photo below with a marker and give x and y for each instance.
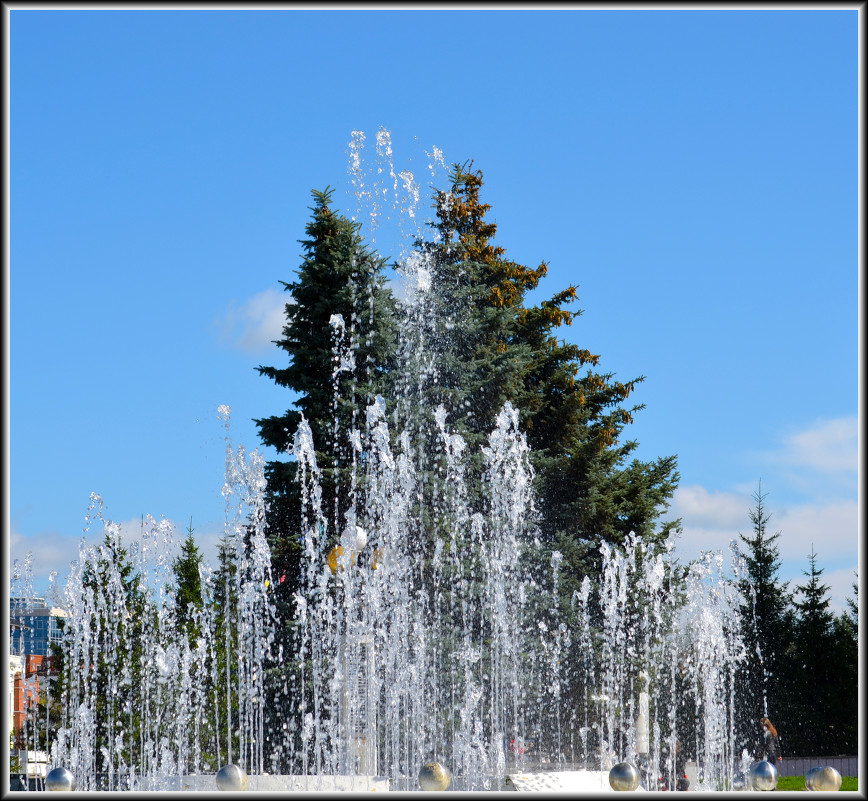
(824, 683)
(119, 628)
(494, 346)
(502, 348)
(338, 275)
(474, 364)
(766, 626)
(188, 590)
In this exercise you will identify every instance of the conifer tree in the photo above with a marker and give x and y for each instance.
(477, 365)
(120, 629)
(846, 697)
(338, 275)
(492, 346)
(501, 348)
(487, 345)
(766, 622)
(824, 682)
(188, 592)
(225, 672)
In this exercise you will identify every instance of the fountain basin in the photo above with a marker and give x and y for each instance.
(564, 781)
(276, 783)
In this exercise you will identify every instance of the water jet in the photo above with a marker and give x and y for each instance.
(428, 621)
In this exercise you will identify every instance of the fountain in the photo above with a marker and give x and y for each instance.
(418, 644)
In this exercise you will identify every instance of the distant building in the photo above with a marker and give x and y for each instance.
(34, 627)
(15, 668)
(27, 675)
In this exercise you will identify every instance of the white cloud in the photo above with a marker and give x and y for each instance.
(255, 324)
(704, 508)
(710, 519)
(820, 461)
(830, 446)
(831, 529)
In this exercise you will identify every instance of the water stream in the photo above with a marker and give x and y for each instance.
(428, 621)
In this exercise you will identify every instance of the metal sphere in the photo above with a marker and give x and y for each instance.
(809, 778)
(59, 779)
(231, 778)
(624, 777)
(434, 776)
(763, 776)
(823, 779)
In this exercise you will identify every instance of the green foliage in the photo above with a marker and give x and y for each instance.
(224, 672)
(492, 346)
(338, 275)
(502, 349)
(802, 660)
(823, 684)
(188, 590)
(766, 627)
(120, 626)
(482, 344)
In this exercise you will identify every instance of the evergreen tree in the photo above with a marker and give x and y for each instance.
(482, 344)
(337, 370)
(502, 348)
(492, 346)
(496, 347)
(119, 627)
(338, 275)
(188, 592)
(225, 601)
(824, 683)
(766, 622)
(845, 659)
(473, 364)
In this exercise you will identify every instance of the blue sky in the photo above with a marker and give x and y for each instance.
(694, 172)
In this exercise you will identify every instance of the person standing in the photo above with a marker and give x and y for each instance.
(681, 781)
(768, 747)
